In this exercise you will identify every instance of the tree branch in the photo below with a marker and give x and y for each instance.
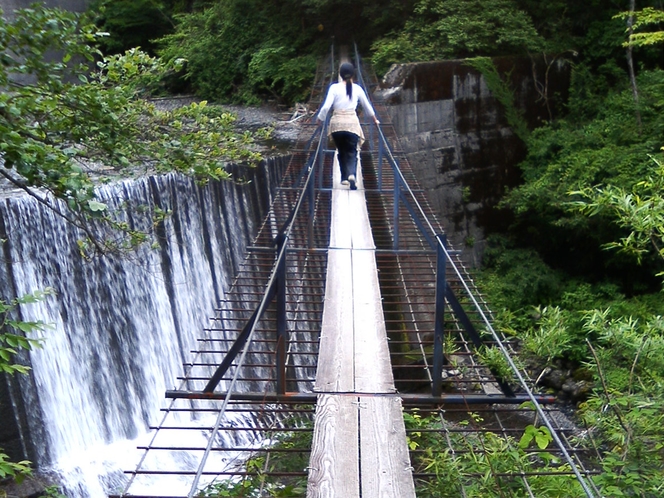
(73, 220)
(614, 408)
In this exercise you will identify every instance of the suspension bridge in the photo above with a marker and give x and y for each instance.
(349, 313)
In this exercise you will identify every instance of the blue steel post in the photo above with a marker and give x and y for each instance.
(282, 332)
(371, 134)
(311, 196)
(439, 326)
(380, 162)
(397, 188)
(317, 165)
(319, 170)
(323, 149)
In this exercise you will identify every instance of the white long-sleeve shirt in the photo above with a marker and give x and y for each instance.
(338, 100)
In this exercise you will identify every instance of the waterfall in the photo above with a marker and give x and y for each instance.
(120, 327)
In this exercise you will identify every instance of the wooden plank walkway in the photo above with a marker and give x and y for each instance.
(359, 445)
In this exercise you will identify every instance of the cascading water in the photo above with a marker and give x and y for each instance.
(121, 326)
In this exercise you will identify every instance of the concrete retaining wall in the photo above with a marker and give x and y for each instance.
(458, 141)
(9, 6)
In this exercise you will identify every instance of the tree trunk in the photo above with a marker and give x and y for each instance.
(630, 63)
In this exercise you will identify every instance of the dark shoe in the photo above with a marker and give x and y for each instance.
(351, 179)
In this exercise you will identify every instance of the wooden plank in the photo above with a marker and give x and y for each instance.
(354, 357)
(334, 462)
(359, 226)
(340, 232)
(360, 178)
(366, 288)
(373, 368)
(385, 463)
(335, 358)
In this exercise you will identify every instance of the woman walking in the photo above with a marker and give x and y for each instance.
(345, 128)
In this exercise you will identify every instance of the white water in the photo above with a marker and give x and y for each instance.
(121, 327)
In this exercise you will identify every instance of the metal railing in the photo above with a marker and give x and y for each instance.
(437, 241)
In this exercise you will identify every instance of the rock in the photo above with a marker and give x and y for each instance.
(576, 391)
(553, 378)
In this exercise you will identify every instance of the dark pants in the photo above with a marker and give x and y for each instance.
(346, 143)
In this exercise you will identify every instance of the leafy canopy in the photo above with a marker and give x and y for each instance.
(448, 29)
(65, 120)
(577, 153)
(639, 210)
(245, 50)
(131, 23)
(647, 17)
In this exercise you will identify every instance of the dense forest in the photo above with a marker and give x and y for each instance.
(578, 275)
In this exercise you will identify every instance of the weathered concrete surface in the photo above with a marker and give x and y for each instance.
(9, 6)
(458, 141)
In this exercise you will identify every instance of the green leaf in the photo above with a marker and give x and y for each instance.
(96, 206)
(25, 326)
(543, 438)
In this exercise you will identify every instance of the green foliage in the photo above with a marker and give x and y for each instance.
(13, 338)
(518, 278)
(501, 90)
(131, 23)
(626, 414)
(279, 72)
(630, 350)
(607, 150)
(575, 154)
(256, 483)
(546, 308)
(551, 337)
(345, 22)
(555, 21)
(649, 16)
(493, 358)
(52, 492)
(219, 39)
(52, 130)
(245, 50)
(640, 211)
(445, 29)
(486, 464)
(624, 417)
(591, 182)
(16, 470)
(540, 435)
(14, 332)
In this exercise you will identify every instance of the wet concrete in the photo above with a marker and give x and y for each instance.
(9, 6)
(458, 141)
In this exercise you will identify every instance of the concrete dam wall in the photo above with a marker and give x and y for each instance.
(9, 6)
(457, 139)
(120, 326)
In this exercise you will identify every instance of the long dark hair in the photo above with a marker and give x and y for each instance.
(347, 71)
